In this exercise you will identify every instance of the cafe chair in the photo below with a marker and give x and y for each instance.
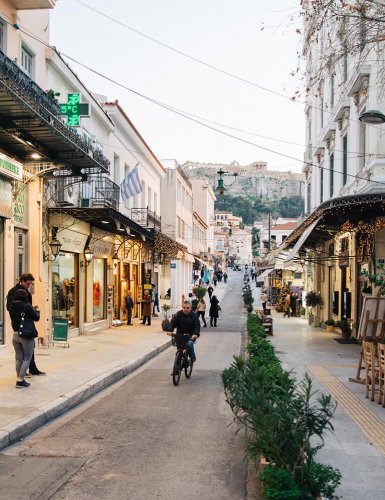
(371, 368)
(381, 373)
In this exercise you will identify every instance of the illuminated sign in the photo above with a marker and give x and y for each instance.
(10, 167)
(74, 110)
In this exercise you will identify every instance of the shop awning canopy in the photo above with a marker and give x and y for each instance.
(30, 122)
(107, 219)
(264, 275)
(302, 239)
(327, 220)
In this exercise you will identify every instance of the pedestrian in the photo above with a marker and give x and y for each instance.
(225, 277)
(201, 310)
(214, 309)
(26, 280)
(23, 317)
(215, 280)
(129, 301)
(155, 300)
(146, 311)
(210, 291)
(264, 300)
(287, 306)
(293, 304)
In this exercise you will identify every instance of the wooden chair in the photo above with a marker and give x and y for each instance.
(371, 368)
(381, 373)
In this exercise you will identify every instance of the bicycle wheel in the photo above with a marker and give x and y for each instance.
(177, 369)
(188, 369)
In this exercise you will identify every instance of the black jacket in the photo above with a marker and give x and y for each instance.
(129, 301)
(11, 294)
(185, 323)
(213, 313)
(31, 315)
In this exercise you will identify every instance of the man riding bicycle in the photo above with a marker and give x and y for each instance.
(186, 322)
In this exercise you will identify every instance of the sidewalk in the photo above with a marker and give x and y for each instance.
(357, 446)
(74, 374)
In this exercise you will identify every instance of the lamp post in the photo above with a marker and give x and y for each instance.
(372, 117)
(220, 189)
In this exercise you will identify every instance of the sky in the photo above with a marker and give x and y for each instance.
(222, 33)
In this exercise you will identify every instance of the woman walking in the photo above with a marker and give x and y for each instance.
(264, 300)
(214, 308)
(146, 312)
(23, 317)
(201, 310)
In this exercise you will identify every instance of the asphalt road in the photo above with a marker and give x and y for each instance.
(144, 438)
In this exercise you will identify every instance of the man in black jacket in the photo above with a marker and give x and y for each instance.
(25, 281)
(186, 321)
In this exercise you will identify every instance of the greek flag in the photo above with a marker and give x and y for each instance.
(131, 185)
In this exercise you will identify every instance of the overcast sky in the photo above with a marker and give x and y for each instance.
(223, 33)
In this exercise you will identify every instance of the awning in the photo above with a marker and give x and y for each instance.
(107, 219)
(264, 275)
(289, 258)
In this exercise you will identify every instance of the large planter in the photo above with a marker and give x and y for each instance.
(311, 318)
(330, 328)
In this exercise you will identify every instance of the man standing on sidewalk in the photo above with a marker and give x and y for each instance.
(25, 282)
(129, 306)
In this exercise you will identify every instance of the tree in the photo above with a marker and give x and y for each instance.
(337, 30)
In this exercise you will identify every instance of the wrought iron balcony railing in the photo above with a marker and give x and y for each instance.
(146, 218)
(31, 103)
(72, 192)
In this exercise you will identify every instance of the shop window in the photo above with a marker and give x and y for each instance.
(65, 288)
(99, 289)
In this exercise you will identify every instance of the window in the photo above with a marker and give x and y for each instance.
(143, 194)
(345, 68)
(332, 82)
(116, 169)
(345, 160)
(308, 197)
(65, 287)
(98, 289)
(26, 60)
(331, 167)
(149, 198)
(156, 203)
(322, 185)
(362, 145)
(322, 111)
(2, 36)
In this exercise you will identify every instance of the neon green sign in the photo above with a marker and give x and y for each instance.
(74, 110)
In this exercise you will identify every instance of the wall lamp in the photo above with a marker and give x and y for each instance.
(55, 247)
(115, 260)
(159, 258)
(372, 117)
(88, 256)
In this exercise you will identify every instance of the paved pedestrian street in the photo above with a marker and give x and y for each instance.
(357, 447)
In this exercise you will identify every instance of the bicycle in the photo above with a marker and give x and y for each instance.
(182, 360)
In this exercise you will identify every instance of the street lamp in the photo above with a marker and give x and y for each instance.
(220, 189)
(372, 117)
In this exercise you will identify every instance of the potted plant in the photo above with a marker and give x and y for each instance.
(166, 308)
(313, 299)
(345, 327)
(330, 323)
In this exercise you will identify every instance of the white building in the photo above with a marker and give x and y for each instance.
(177, 224)
(278, 234)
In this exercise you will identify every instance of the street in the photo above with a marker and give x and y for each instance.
(144, 438)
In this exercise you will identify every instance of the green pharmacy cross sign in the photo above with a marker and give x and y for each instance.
(74, 110)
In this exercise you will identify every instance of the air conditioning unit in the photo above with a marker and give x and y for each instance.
(67, 193)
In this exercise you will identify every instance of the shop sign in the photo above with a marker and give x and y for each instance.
(11, 168)
(19, 207)
(5, 199)
(72, 241)
(102, 248)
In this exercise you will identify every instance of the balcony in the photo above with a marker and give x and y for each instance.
(31, 122)
(146, 218)
(34, 4)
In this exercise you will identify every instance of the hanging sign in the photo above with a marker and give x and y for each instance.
(5, 198)
(74, 110)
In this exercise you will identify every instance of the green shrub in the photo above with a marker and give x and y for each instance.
(278, 484)
(199, 292)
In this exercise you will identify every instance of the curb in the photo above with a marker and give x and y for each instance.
(21, 428)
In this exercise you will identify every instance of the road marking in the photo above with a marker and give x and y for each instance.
(369, 423)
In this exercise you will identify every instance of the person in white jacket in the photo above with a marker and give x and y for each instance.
(201, 310)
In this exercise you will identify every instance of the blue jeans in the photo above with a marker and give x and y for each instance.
(190, 347)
